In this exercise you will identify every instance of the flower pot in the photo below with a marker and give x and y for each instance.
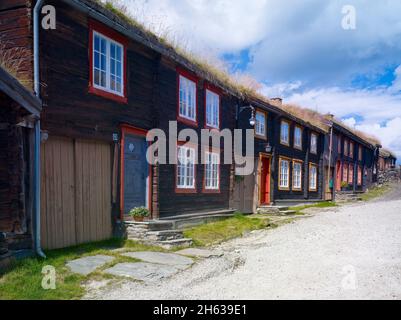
(138, 219)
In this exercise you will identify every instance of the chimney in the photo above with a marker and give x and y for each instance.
(278, 102)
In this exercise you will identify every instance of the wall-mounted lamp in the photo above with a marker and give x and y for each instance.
(268, 147)
(252, 120)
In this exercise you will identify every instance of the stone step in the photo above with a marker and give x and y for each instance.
(164, 235)
(228, 212)
(288, 212)
(171, 244)
(150, 225)
(268, 210)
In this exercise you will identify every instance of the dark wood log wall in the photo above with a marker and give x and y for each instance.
(273, 137)
(69, 110)
(13, 174)
(16, 35)
(367, 162)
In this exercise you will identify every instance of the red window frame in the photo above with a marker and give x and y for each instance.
(190, 76)
(208, 86)
(112, 34)
(359, 176)
(351, 173)
(351, 149)
(204, 190)
(345, 173)
(177, 188)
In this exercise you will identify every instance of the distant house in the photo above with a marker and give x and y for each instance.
(352, 158)
(387, 160)
(19, 111)
(288, 158)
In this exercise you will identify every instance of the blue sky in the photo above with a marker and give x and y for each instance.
(299, 51)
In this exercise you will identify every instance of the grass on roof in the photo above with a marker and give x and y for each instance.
(217, 72)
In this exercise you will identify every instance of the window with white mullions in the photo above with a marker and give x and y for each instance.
(187, 98)
(298, 137)
(212, 174)
(313, 177)
(285, 133)
(186, 168)
(284, 174)
(212, 109)
(260, 124)
(313, 143)
(108, 59)
(297, 176)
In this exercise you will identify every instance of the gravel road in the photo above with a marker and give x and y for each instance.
(351, 252)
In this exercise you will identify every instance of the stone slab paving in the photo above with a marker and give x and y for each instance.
(87, 265)
(143, 271)
(162, 258)
(199, 253)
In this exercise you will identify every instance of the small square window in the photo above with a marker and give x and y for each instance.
(313, 177)
(187, 98)
(298, 137)
(313, 143)
(212, 109)
(285, 133)
(260, 124)
(107, 63)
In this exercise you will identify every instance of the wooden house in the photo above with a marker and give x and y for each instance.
(350, 161)
(105, 83)
(387, 160)
(19, 110)
(288, 158)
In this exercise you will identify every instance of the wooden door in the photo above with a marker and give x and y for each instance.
(338, 176)
(75, 192)
(136, 172)
(265, 181)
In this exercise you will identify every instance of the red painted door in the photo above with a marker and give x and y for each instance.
(265, 182)
(338, 176)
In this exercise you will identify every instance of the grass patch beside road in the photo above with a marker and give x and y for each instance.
(217, 232)
(325, 204)
(23, 281)
(376, 192)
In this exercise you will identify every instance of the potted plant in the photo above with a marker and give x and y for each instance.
(139, 213)
(344, 186)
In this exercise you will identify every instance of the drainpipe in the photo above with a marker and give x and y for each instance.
(36, 79)
(329, 166)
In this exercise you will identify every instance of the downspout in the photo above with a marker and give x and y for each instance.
(36, 80)
(329, 166)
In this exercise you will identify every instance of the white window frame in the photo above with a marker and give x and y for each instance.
(312, 177)
(212, 109)
(287, 133)
(109, 41)
(297, 176)
(260, 126)
(296, 138)
(284, 175)
(187, 98)
(212, 171)
(313, 143)
(187, 162)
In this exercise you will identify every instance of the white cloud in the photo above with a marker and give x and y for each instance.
(376, 112)
(299, 50)
(204, 25)
(351, 122)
